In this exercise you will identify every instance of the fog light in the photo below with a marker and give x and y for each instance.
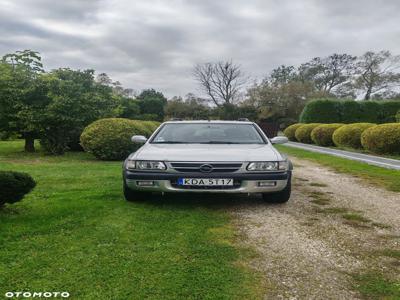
(145, 183)
(266, 183)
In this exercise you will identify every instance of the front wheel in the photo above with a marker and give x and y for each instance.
(132, 195)
(281, 196)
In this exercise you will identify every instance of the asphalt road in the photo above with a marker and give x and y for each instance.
(369, 159)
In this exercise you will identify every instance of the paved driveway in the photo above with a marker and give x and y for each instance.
(369, 159)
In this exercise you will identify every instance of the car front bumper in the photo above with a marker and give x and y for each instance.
(244, 182)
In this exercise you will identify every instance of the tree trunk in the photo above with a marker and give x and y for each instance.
(29, 143)
(368, 94)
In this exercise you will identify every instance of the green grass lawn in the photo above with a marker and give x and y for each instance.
(76, 233)
(387, 178)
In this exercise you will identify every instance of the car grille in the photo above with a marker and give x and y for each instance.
(196, 167)
(236, 184)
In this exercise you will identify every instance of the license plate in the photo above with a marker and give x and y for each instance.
(206, 181)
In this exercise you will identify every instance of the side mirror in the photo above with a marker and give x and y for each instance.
(139, 139)
(279, 140)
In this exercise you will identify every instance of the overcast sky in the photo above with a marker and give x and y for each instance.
(155, 44)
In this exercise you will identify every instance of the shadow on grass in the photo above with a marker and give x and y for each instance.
(206, 200)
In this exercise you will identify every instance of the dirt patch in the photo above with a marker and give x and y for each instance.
(311, 247)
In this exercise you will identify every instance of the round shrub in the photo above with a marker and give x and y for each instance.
(291, 130)
(384, 138)
(14, 186)
(303, 133)
(322, 134)
(110, 139)
(350, 135)
(150, 126)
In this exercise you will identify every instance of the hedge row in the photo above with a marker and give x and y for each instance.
(349, 111)
(383, 138)
(110, 139)
(349, 136)
(322, 135)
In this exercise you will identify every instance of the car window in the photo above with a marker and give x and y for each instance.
(205, 133)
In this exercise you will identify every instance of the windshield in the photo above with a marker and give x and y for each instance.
(206, 133)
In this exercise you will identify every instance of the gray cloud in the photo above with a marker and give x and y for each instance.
(155, 43)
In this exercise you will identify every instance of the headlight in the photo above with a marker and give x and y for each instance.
(267, 166)
(283, 165)
(145, 165)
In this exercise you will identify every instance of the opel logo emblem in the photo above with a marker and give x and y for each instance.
(206, 168)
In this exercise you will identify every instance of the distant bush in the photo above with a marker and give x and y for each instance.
(303, 133)
(350, 135)
(398, 116)
(389, 111)
(349, 111)
(322, 134)
(5, 136)
(384, 138)
(14, 186)
(291, 130)
(320, 111)
(110, 139)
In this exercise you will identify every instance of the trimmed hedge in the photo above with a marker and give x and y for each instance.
(291, 130)
(320, 111)
(384, 138)
(322, 134)
(14, 186)
(350, 135)
(110, 139)
(349, 111)
(303, 133)
(150, 126)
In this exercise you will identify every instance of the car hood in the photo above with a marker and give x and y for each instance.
(207, 152)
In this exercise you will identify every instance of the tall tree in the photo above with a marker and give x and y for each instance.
(280, 102)
(328, 73)
(221, 81)
(151, 104)
(282, 75)
(377, 72)
(22, 94)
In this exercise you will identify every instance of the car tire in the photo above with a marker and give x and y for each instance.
(133, 196)
(281, 196)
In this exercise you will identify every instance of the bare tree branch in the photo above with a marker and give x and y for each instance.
(221, 81)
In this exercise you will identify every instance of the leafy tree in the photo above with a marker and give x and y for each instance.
(22, 95)
(152, 102)
(76, 101)
(283, 102)
(377, 72)
(283, 75)
(128, 107)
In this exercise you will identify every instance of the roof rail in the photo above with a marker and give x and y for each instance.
(243, 120)
(176, 119)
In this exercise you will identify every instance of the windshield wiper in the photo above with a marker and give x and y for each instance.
(219, 142)
(169, 142)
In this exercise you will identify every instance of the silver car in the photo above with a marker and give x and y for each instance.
(208, 157)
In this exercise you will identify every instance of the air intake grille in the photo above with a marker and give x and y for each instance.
(215, 167)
